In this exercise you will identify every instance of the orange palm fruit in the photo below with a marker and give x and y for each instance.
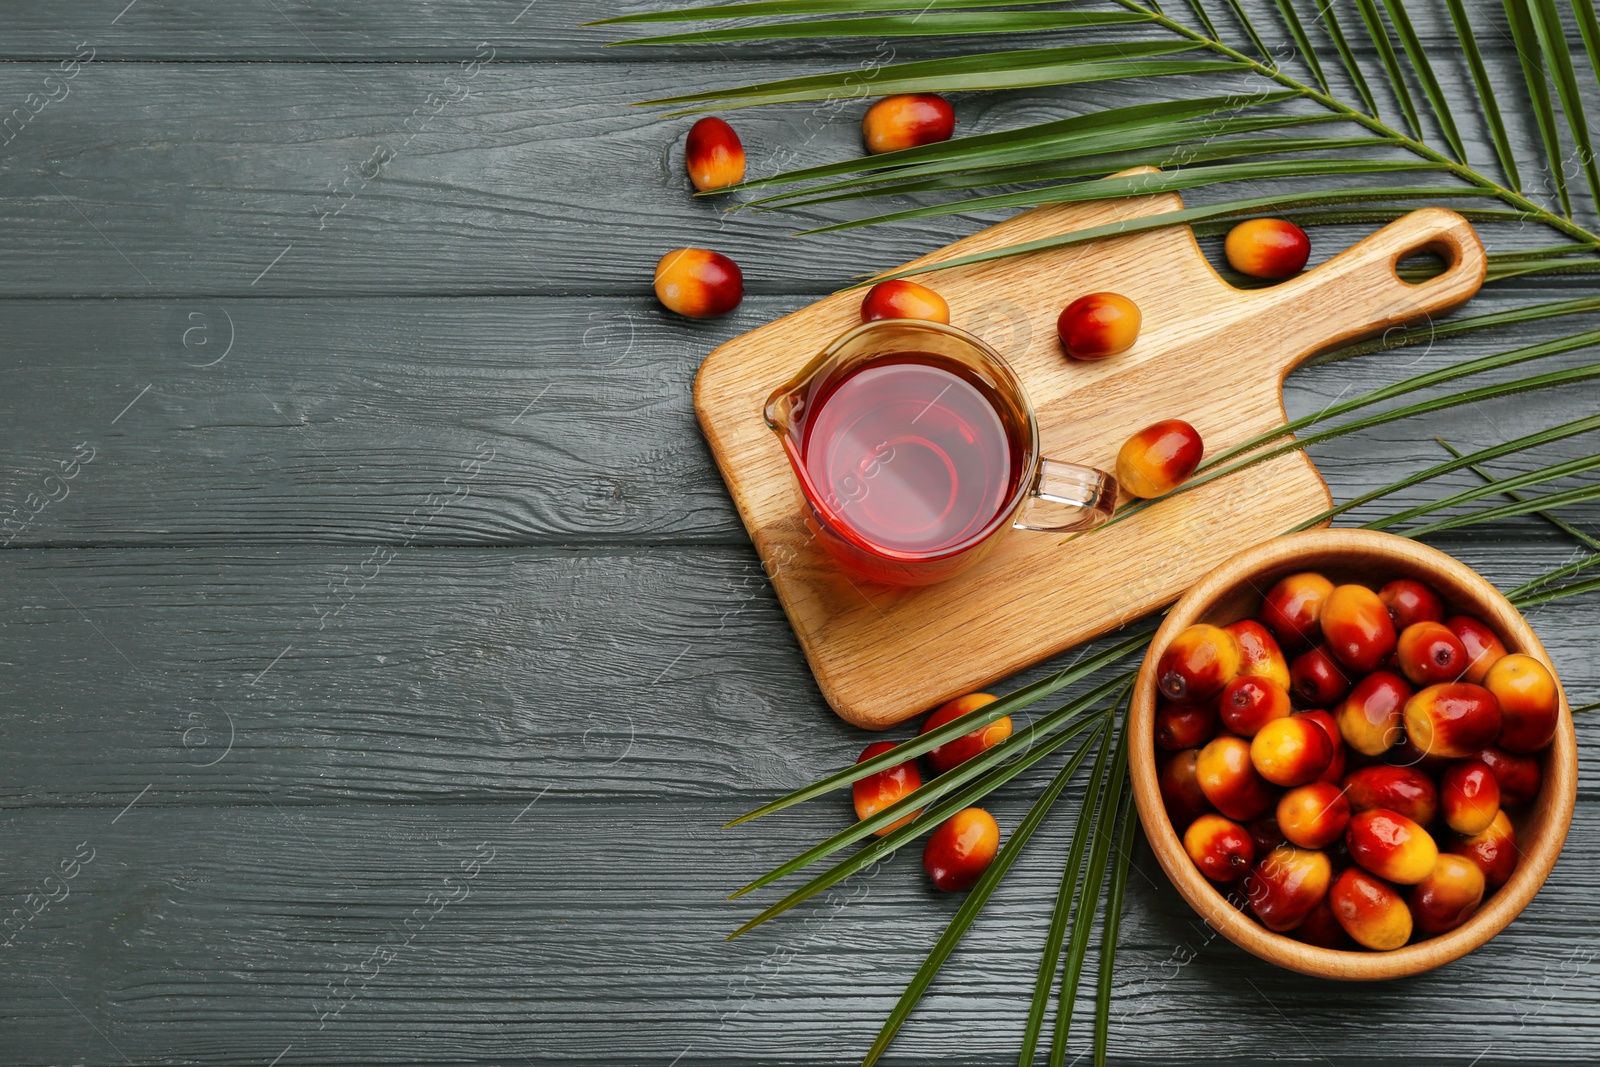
(1313, 815)
(1259, 653)
(1316, 680)
(1291, 751)
(1335, 771)
(1286, 885)
(1494, 850)
(1197, 663)
(958, 750)
(1484, 648)
(1391, 846)
(1267, 248)
(906, 121)
(1292, 609)
(961, 849)
(1517, 775)
(1357, 628)
(1530, 703)
(1099, 325)
(1401, 789)
(1229, 780)
(698, 283)
(1249, 702)
(1221, 848)
(1431, 653)
(713, 155)
(1449, 895)
(1369, 717)
(1410, 601)
(877, 791)
(903, 299)
(1469, 796)
(1159, 458)
(1453, 719)
(1370, 910)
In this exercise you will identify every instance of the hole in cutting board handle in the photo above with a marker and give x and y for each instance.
(1440, 247)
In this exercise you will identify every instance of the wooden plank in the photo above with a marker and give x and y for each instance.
(336, 420)
(589, 932)
(316, 179)
(448, 674)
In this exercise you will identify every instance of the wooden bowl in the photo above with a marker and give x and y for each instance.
(1234, 591)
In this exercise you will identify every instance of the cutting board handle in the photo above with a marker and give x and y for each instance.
(1318, 309)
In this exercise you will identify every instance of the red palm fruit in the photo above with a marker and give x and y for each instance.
(1267, 248)
(1180, 788)
(1449, 895)
(1370, 910)
(1321, 928)
(1409, 601)
(958, 750)
(1469, 796)
(1291, 751)
(1185, 725)
(1259, 654)
(1453, 719)
(1100, 325)
(906, 121)
(1494, 851)
(961, 849)
(714, 155)
(1369, 718)
(1313, 815)
(1530, 703)
(1158, 458)
(1197, 664)
(1357, 628)
(1518, 776)
(1316, 679)
(1292, 609)
(698, 283)
(903, 299)
(1248, 703)
(1391, 846)
(1286, 885)
(1221, 848)
(1265, 834)
(1400, 789)
(1335, 771)
(1430, 653)
(877, 791)
(1483, 646)
(1230, 781)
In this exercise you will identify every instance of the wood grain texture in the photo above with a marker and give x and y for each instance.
(1207, 353)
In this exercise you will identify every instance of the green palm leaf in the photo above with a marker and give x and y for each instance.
(1553, 43)
(902, 26)
(1544, 113)
(1347, 56)
(1486, 95)
(1391, 64)
(1430, 83)
(783, 8)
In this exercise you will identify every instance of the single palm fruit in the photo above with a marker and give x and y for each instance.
(877, 791)
(1259, 654)
(1286, 885)
(1292, 609)
(1291, 751)
(1316, 679)
(1158, 458)
(1484, 648)
(1431, 653)
(1181, 794)
(1197, 663)
(1267, 248)
(1449, 895)
(1357, 627)
(1370, 910)
(1248, 703)
(961, 849)
(1313, 815)
(903, 299)
(1221, 848)
(1181, 726)
(1229, 780)
(1321, 927)
(1098, 325)
(1400, 789)
(960, 749)
(1369, 718)
(1390, 845)
(713, 155)
(1409, 601)
(1469, 796)
(698, 283)
(1494, 850)
(1530, 703)
(1453, 719)
(1517, 775)
(1335, 771)
(906, 121)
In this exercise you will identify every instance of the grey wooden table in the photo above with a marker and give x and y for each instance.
(387, 665)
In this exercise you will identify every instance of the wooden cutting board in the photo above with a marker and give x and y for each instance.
(1208, 353)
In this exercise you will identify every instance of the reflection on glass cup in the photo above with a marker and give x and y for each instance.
(916, 447)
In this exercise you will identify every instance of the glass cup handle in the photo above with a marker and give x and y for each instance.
(1081, 498)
